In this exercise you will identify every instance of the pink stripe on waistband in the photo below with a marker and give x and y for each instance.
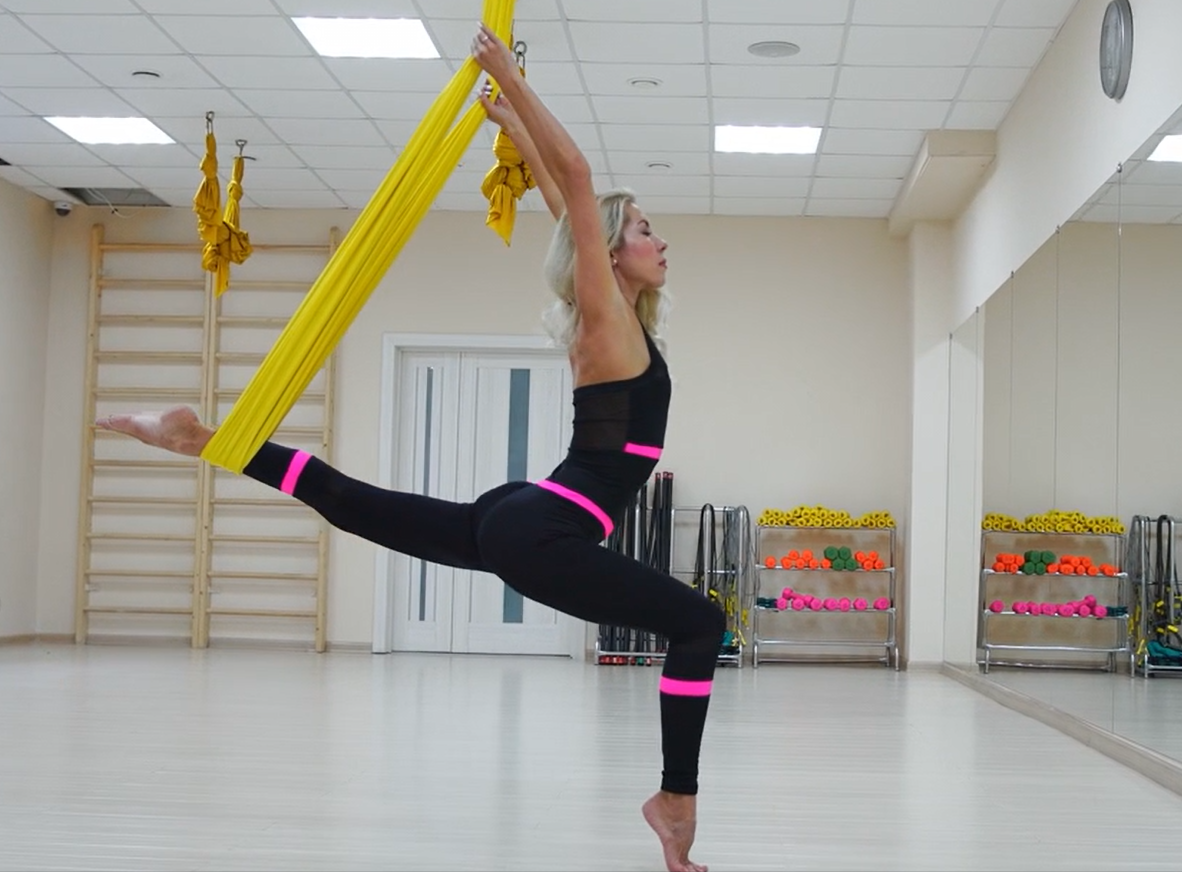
(579, 500)
(298, 462)
(653, 451)
(678, 687)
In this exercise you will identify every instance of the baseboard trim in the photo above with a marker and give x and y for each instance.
(1157, 767)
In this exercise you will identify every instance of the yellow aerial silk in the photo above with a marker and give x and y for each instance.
(225, 241)
(354, 270)
(505, 184)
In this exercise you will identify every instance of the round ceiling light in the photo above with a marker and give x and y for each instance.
(773, 48)
(645, 83)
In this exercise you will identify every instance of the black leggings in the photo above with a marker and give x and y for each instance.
(545, 548)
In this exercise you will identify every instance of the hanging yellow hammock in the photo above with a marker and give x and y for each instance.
(358, 264)
(507, 182)
(225, 241)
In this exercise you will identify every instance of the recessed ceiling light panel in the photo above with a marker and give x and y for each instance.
(1169, 149)
(368, 37)
(111, 131)
(766, 140)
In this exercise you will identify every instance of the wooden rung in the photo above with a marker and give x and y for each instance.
(136, 573)
(147, 393)
(152, 284)
(153, 320)
(160, 247)
(262, 613)
(252, 321)
(261, 503)
(267, 540)
(144, 501)
(144, 357)
(243, 358)
(138, 537)
(145, 464)
(138, 610)
(305, 397)
(246, 575)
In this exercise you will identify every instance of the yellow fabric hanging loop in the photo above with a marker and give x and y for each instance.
(507, 182)
(225, 242)
(357, 266)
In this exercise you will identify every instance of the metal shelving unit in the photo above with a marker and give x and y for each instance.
(790, 624)
(1071, 635)
(1153, 574)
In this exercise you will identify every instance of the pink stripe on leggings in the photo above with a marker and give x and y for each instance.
(579, 500)
(679, 687)
(298, 462)
(653, 451)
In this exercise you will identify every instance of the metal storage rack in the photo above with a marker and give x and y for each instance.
(876, 583)
(1075, 637)
(709, 547)
(1153, 575)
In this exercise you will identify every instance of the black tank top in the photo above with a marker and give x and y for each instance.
(619, 431)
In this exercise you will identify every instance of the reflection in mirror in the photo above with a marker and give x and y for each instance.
(1082, 413)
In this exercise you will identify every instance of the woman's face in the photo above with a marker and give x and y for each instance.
(640, 257)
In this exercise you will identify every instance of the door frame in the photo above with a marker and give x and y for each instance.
(394, 345)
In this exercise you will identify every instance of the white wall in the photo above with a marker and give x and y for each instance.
(25, 237)
(789, 345)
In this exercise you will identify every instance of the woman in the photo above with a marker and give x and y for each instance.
(543, 539)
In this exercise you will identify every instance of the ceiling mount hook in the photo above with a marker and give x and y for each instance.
(519, 50)
(241, 143)
(209, 122)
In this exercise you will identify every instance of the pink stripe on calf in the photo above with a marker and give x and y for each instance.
(678, 687)
(581, 501)
(298, 462)
(653, 451)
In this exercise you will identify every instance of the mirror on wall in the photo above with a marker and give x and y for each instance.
(1081, 418)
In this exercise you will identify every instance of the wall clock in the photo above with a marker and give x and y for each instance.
(1116, 48)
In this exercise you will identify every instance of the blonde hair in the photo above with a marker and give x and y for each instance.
(562, 316)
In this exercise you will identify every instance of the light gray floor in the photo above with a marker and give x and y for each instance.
(164, 758)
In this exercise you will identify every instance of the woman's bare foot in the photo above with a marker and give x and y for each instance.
(674, 817)
(177, 429)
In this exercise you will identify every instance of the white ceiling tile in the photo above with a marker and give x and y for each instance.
(994, 83)
(41, 71)
(900, 83)
(449, 202)
(102, 34)
(289, 73)
(51, 155)
(523, 10)
(662, 205)
(352, 179)
(355, 199)
(1034, 13)
(396, 133)
(395, 105)
(977, 115)
(764, 80)
(657, 137)
(734, 187)
(388, 74)
(7, 107)
(169, 177)
(677, 80)
(311, 199)
(19, 177)
(682, 163)
(546, 40)
(280, 179)
(842, 166)
(151, 156)
(778, 165)
(850, 208)
(1014, 47)
(28, 129)
(912, 46)
(838, 140)
(760, 206)
(263, 155)
(778, 11)
(890, 114)
(1143, 195)
(1153, 172)
(301, 131)
(947, 13)
(638, 43)
(300, 104)
(552, 77)
(357, 8)
(658, 11)
(323, 157)
(167, 102)
(236, 35)
(81, 177)
(116, 71)
(666, 186)
(62, 7)
(210, 7)
(819, 45)
(790, 113)
(649, 109)
(1133, 214)
(71, 101)
(855, 189)
(15, 38)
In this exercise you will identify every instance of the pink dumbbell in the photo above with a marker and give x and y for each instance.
(1021, 607)
(997, 607)
(781, 603)
(1100, 611)
(882, 603)
(798, 603)
(844, 603)
(859, 604)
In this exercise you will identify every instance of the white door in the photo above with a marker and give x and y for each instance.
(467, 421)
